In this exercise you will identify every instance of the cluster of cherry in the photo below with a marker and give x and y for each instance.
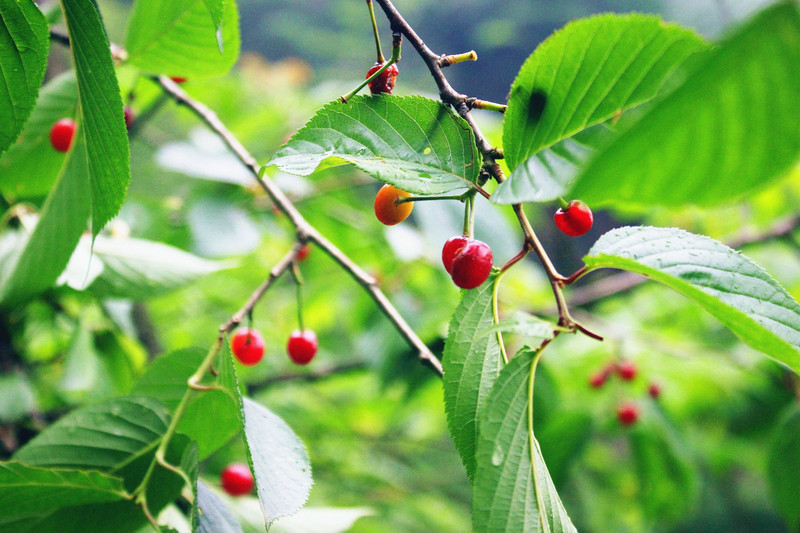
(627, 411)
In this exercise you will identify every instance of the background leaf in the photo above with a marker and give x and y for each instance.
(26, 491)
(177, 37)
(414, 143)
(783, 467)
(24, 43)
(586, 73)
(31, 166)
(166, 380)
(512, 490)
(722, 281)
(106, 436)
(471, 364)
(101, 119)
(728, 129)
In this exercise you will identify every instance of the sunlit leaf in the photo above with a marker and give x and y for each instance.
(724, 282)
(414, 143)
(730, 128)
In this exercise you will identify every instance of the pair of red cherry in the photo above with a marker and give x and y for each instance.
(247, 346)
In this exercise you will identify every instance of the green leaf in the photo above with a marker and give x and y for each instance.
(586, 73)
(526, 325)
(105, 437)
(24, 44)
(211, 418)
(279, 461)
(81, 366)
(215, 517)
(668, 480)
(471, 364)
(27, 491)
(140, 269)
(512, 490)
(177, 37)
(101, 122)
(276, 455)
(550, 172)
(783, 468)
(189, 466)
(729, 129)
(31, 166)
(415, 143)
(739, 293)
(17, 397)
(39, 260)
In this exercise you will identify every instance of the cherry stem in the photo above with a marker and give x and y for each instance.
(406, 199)
(375, 32)
(496, 315)
(514, 260)
(563, 203)
(298, 283)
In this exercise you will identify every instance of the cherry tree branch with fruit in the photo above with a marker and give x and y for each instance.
(589, 117)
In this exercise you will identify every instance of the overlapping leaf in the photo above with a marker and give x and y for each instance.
(512, 490)
(730, 128)
(214, 515)
(31, 166)
(178, 37)
(414, 143)
(102, 126)
(24, 43)
(106, 436)
(783, 467)
(471, 362)
(27, 491)
(589, 71)
(722, 281)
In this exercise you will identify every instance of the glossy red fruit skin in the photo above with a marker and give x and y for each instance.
(385, 81)
(472, 265)
(62, 133)
(303, 253)
(247, 346)
(598, 380)
(451, 248)
(627, 370)
(129, 117)
(302, 346)
(236, 479)
(627, 414)
(576, 220)
(654, 390)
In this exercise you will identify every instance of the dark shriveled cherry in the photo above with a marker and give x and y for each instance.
(385, 81)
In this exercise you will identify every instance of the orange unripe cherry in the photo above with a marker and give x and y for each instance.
(387, 208)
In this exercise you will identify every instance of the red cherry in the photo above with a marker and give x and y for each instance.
(627, 413)
(627, 370)
(303, 253)
(236, 479)
(576, 220)
(654, 390)
(178, 79)
(384, 83)
(248, 346)
(61, 134)
(302, 346)
(472, 265)
(129, 117)
(453, 246)
(598, 380)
